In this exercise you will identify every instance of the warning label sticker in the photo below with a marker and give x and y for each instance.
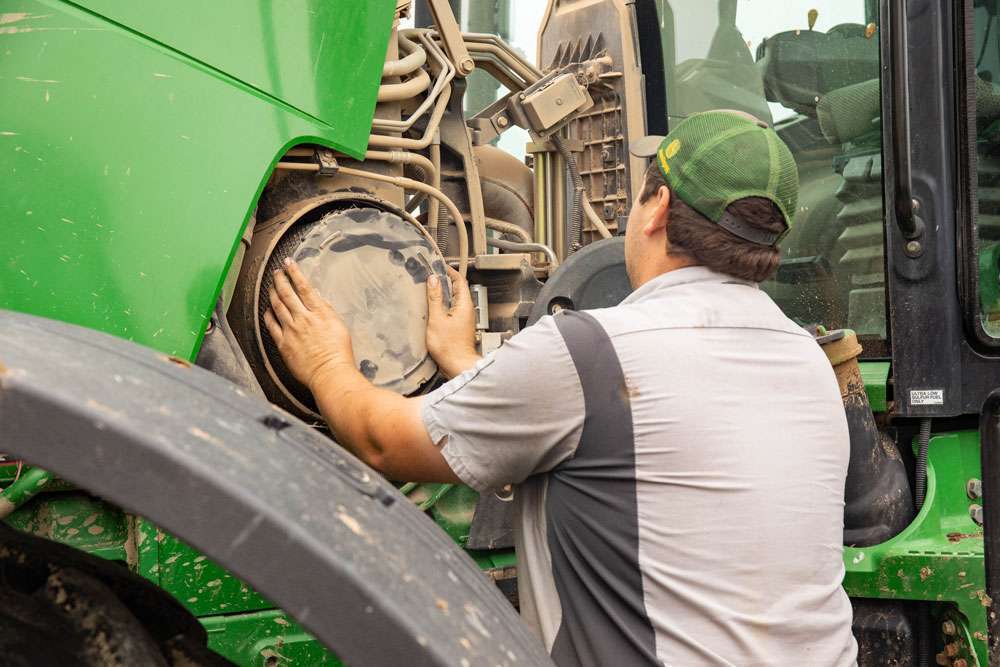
(927, 397)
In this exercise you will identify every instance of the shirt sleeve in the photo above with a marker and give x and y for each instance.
(518, 412)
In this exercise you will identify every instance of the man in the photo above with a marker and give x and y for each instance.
(680, 458)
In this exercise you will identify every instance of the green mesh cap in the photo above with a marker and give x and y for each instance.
(715, 158)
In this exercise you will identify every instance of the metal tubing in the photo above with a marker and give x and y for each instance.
(406, 157)
(297, 166)
(557, 204)
(539, 203)
(409, 183)
(446, 74)
(399, 181)
(505, 227)
(382, 141)
(23, 489)
(484, 43)
(514, 246)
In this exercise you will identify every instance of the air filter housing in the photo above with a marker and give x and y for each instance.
(372, 266)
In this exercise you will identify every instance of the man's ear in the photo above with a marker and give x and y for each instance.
(661, 214)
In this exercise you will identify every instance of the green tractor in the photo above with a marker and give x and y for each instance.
(158, 163)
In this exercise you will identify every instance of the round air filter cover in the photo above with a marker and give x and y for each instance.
(372, 266)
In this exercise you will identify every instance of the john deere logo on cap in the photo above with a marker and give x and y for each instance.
(662, 157)
(673, 147)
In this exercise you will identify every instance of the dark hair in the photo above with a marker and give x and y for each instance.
(692, 234)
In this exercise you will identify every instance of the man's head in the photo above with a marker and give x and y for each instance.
(720, 192)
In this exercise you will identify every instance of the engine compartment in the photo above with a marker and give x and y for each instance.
(433, 190)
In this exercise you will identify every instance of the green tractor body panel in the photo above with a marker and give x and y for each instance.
(139, 141)
(158, 145)
(939, 556)
(323, 59)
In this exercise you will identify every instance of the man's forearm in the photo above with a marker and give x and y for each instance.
(380, 427)
(348, 402)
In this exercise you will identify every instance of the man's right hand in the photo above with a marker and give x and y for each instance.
(451, 332)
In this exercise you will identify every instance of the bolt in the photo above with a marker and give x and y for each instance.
(948, 627)
(976, 512)
(555, 308)
(974, 488)
(559, 101)
(913, 247)
(502, 121)
(466, 66)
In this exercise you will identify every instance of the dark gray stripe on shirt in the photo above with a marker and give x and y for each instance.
(592, 516)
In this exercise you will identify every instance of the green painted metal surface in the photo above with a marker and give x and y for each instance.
(265, 639)
(939, 557)
(79, 520)
(875, 375)
(197, 582)
(317, 56)
(128, 168)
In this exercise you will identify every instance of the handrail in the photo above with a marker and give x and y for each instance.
(905, 205)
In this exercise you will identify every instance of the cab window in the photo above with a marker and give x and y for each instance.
(811, 69)
(984, 262)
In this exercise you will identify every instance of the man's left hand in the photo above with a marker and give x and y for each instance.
(310, 336)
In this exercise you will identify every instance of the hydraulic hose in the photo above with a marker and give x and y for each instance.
(415, 58)
(442, 229)
(433, 210)
(576, 206)
(396, 92)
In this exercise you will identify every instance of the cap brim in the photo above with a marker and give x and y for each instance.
(645, 146)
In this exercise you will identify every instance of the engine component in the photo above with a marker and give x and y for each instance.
(594, 277)
(595, 37)
(878, 504)
(371, 263)
(554, 101)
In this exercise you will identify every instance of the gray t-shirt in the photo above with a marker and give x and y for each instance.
(680, 462)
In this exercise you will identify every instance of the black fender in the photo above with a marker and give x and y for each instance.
(286, 509)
